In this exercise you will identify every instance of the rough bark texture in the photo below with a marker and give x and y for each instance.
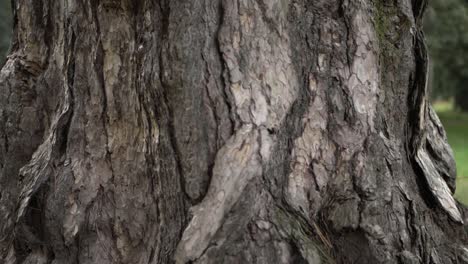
(223, 131)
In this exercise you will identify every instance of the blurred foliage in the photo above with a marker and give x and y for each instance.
(5, 28)
(446, 28)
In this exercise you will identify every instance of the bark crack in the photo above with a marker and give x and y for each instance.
(224, 69)
(166, 12)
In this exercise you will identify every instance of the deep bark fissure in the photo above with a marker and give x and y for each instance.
(227, 95)
(165, 13)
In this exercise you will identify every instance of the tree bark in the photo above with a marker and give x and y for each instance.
(223, 131)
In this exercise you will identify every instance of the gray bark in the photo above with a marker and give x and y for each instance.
(223, 131)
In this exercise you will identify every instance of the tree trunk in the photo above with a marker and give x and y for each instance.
(223, 131)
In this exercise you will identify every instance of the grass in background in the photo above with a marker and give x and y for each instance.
(456, 126)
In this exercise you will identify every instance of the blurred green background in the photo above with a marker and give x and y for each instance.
(446, 27)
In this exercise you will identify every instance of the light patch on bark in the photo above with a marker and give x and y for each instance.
(313, 144)
(263, 91)
(437, 185)
(235, 165)
(441, 152)
(364, 79)
(114, 31)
